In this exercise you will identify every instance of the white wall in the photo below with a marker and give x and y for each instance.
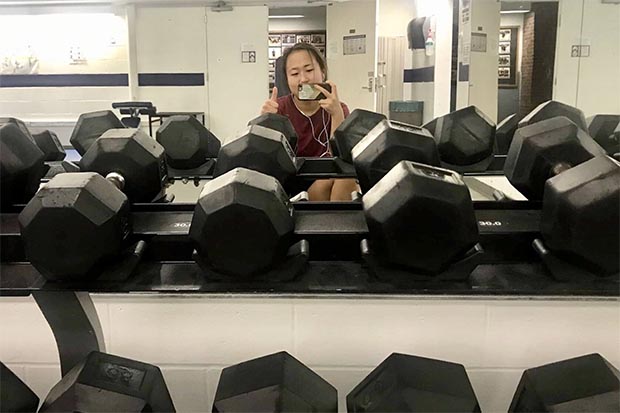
(193, 338)
(351, 72)
(443, 56)
(599, 74)
(590, 83)
(567, 68)
(172, 40)
(236, 90)
(102, 38)
(483, 65)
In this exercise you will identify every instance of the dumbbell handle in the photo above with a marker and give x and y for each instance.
(558, 168)
(117, 179)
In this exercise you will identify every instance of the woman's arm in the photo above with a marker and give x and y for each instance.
(332, 105)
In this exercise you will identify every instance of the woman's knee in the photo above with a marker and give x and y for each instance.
(342, 189)
(321, 190)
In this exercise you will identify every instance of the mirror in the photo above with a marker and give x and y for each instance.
(514, 55)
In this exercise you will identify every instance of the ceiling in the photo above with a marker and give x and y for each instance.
(270, 3)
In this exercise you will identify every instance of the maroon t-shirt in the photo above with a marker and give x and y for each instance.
(313, 131)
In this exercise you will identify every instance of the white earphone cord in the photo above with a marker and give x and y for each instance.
(324, 131)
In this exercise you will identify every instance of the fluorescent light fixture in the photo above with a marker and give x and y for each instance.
(514, 11)
(288, 16)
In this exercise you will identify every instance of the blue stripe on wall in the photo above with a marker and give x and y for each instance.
(463, 72)
(68, 80)
(171, 79)
(423, 74)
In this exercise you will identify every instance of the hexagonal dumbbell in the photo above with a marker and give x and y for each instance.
(581, 215)
(505, 132)
(91, 126)
(242, 223)
(420, 217)
(76, 223)
(544, 149)
(21, 166)
(280, 123)
(49, 144)
(260, 149)
(274, 383)
(387, 144)
(15, 395)
(465, 139)
(551, 109)
(135, 156)
(587, 383)
(352, 131)
(20, 124)
(108, 383)
(605, 130)
(405, 383)
(188, 144)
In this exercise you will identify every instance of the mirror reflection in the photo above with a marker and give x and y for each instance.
(410, 60)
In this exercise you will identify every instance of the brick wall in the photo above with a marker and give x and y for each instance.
(537, 65)
(527, 63)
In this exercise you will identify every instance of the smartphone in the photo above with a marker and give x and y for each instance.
(307, 91)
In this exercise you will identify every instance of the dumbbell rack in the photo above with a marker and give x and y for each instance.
(334, 231)
(315, 168)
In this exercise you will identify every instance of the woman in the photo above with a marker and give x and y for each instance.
(315, 120)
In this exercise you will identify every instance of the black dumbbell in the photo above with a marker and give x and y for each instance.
(581, 216)
(274, 383)
(280, 123)
(387, 144)
(551, 109)
(86, 217)
(135, 156)
(261, 149)
(49, 144)
(91, 126)
(352, 131)
(21, 165)
(544, 149)
(15, 395)
(108, 383)
(20, 124)
(605, 130)
(405, 383)
(465, 139)
(587, 383)
(420, 218)
(505, 132)
(242, 224)
(74, 225)
(188, 144)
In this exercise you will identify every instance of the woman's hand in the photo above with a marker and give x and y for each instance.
(271, 105)
(331, 103)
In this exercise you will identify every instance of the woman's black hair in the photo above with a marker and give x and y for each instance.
(314, 52)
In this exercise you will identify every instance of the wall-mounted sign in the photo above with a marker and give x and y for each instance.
(354, 44)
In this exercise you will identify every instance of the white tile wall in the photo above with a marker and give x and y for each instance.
(193, 338)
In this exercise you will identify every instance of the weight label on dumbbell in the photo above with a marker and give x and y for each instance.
(181, 225)
(490, 223)
(121, 375)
